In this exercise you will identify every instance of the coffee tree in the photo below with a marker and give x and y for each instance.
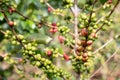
(50, 35)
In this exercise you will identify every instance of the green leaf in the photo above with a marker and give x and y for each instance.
(103, 1)
(1, 16)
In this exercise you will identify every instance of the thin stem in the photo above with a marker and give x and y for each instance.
(108, 16)
(104, 63)
(5, 16)
(18, 38)
(53, 9)
(2, 32)
(103, 46)
(49, 5)
(75, 13)
(114, 38)
(89, 21)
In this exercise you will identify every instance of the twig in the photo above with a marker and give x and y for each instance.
(53, 9)
(12, 28)
(89, 20)
(49, 5)
(18, 38)
(75, 26)
(108, 15)
(117, 36)
(2, 32)
(104, 63)
(103, 46)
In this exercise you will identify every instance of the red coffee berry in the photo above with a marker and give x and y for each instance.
(61, 39)
(49, 53)
(54, 24)
(83, 42)
(85, 59)
(53, 30)
(66, 57)
(84, 32)
(89, 42)
(109, 1)
(49, 9)
(20, 60)
(11, 23)
(80, 49)
(93, 35)
(84, 55)
(11, 10)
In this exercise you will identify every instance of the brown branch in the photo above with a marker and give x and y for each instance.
(13, 30)
(2, 32)
(75, 13)
(108, 16)
(5, 16)
(53, 9)
(103, 46)
(113, 38)
(89, 20)
(25, 17)
(104, 63)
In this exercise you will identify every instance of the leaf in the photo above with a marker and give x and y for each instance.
(103, 1)
(1, 16)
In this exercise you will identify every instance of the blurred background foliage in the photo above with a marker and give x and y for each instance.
(38, 11)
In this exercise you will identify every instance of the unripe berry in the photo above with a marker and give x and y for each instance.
(61, 39)
(89, 42)
(78, 42)
(11, 23)
(37, 63)
(49, 9)
(66, 57)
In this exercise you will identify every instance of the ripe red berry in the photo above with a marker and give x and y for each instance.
(84, 32)
(49, 9)
(80, 49)
(85, 59)
(83, 42)
(89, 42)
(109, 1)
(20, 60)
(53, 30)
(54, 24)
(11, 10)
(11, 23)
(93, 35)
(66, 57)
(84, 55)
(61, 39)
(49, 53)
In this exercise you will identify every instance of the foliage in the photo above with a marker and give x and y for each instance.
(45, 34)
